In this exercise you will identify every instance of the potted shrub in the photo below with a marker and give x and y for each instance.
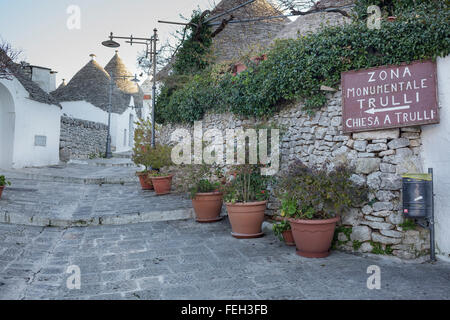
(158, 157)
(203, 183)
(142, 141)
(284, 232)
(3, 183)
(314, 199)
(246, 199)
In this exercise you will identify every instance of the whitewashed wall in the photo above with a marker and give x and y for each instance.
(85, 111)
(436, 155)
(32, 118)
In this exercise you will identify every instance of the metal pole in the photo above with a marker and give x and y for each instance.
(154, 86)
(431, 219)
(108, 153)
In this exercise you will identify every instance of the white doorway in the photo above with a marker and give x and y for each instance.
(7, 124)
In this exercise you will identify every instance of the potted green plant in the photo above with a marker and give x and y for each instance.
(284, 232)
(142, 140)
(3, 183)
(246, 200)
(158, 157)
(314, 199)
(203, 184)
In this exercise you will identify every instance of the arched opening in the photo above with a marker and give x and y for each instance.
(7, 123)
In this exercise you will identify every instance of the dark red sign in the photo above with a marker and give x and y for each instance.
(389, 97)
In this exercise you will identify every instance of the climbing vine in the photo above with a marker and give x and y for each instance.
(297, 68)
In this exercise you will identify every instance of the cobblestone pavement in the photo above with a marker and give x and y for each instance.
(186, 260)
(95, 171)
(44, 203)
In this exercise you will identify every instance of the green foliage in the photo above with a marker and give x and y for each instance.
(142, 142)
(356, 244)
(378, 248)
(341, 229)
(158, 157)
(319, 193)
(194, 52)
(296, 69)
(200, 178)
(408, 224)
(4, 182)
(279, 228)
(247, 185)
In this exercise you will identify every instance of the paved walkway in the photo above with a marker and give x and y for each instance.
(186, 260)
(93, 192)
(131, 251)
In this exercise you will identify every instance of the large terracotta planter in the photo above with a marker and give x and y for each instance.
(1, 191)
(162, 185)
(144, 179)
(288, 238)
(246, 219)
(313, 237)
(207, 206)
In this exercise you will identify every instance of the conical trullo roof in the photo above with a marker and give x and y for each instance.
(238, 39)
(116, 68)
(90, 83)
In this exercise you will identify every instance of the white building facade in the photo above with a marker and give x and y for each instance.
(29, 122)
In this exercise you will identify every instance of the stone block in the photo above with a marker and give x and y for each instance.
(361, 233)
(376, 237)
(398, 143)
(378, 134)
(367, 165)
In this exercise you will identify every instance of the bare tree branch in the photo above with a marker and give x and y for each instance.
(8, 55)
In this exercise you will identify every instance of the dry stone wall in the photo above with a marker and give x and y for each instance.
(81, 139)
(379, 158)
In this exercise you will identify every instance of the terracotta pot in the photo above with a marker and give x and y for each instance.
(391, 18)
(207, 206)
(246, 219)
(162, 185)
(313, 237)
(144, 179)
(288, 238)
(1, 191)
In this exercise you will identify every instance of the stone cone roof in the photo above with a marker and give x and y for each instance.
(116, 68)
(92, 84)
(241, 38)
(312, 22)
(238, 39)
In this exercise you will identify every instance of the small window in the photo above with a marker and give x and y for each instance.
(40, 141)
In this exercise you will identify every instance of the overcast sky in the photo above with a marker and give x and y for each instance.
(39, 29)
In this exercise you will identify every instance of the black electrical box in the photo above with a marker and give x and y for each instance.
(417, 195)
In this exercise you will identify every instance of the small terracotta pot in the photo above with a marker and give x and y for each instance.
(313, 237)
(1, 191)
(207, 206)
(144, 179)
(288, 238)
(162, 185)
(246, 219)
(391, 18)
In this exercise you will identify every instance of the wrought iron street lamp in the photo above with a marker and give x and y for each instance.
(150, 44)
(108, 153)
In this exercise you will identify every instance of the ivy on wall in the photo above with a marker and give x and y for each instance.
(297, 68)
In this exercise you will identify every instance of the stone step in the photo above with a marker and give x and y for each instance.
(118, 219)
